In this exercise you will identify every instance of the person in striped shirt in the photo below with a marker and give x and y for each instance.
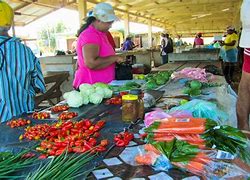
(20, 71)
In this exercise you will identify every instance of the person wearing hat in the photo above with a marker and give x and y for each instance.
(231, 53)
(20, 72)
(96, 57)
(198, 41)
(243, 101)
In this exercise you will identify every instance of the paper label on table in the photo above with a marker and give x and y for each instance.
(224, 155)
(112, 161)
(160, 176)
(102, 173)
(137, 179)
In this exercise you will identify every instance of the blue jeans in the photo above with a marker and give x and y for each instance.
(164, 59)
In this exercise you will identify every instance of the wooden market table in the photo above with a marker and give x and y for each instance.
(53, 81)
(176, 66)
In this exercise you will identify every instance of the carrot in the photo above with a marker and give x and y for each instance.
(183, 126)
(146, 159)
(150, 147)
(196, 167)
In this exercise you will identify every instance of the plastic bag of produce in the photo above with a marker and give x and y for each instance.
(203, 109)
(154, 115)
(149, 155)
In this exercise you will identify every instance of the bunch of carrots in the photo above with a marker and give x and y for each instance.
(185, 129)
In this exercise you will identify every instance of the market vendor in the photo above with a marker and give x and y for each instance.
(20, 72)
(96, 57)
(231, 53)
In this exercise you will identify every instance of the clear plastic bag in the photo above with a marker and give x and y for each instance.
(203, 109)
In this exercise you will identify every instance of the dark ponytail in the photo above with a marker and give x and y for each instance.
(86, 25)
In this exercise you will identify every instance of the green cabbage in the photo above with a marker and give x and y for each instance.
(102, 85)
(86, 89)
(108, 93)
(74, 99)
(95, 98)
(85, 100)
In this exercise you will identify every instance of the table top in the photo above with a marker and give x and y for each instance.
(176, 66)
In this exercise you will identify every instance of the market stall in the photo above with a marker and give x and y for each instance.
(121, 144)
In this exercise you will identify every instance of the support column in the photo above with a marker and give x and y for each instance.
(82, 10)
(126, 25)
(149, 33)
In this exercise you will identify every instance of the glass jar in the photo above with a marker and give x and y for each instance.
(140, 95)
(129, 107)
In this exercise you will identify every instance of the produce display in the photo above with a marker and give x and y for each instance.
(123, 138)
(67, 115)
(10, 164)
(77, 137)
(41, 115)
(63, 167)
(18, 122)
(193, 136)
(194, 87)
(59, 108)
(35, 132)
(157, 79)
(88, 94)
(126, 87)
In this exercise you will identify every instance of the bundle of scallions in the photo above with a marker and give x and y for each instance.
(11, 165)
(65, 166)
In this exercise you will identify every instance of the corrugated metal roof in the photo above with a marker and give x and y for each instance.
(178, 16)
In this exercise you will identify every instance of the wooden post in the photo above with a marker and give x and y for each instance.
(149, 33)
(126, 25)
(82, 9)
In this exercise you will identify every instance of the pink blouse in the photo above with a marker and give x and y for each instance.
(83, 73)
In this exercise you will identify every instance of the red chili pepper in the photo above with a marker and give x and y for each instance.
(100, 149)
(92, 141)
(87, 123)
(120, 143)
(42, 156)
(96, 134)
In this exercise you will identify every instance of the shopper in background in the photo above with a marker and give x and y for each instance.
(96, 57)
(178, 44)
(243, 103)
(163, 52)
(128, 44)
(20, 72)
(198, 41)
(231, 53)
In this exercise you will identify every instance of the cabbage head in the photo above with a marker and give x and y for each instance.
(102, 85)
(107, 93)
(74, 99)
(86, 89)
(95, 98)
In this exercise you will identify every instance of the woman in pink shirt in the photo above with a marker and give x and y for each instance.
(198, 41)
(96, 56)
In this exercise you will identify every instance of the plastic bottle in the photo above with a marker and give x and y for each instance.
(140, 95)
(129, 107)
